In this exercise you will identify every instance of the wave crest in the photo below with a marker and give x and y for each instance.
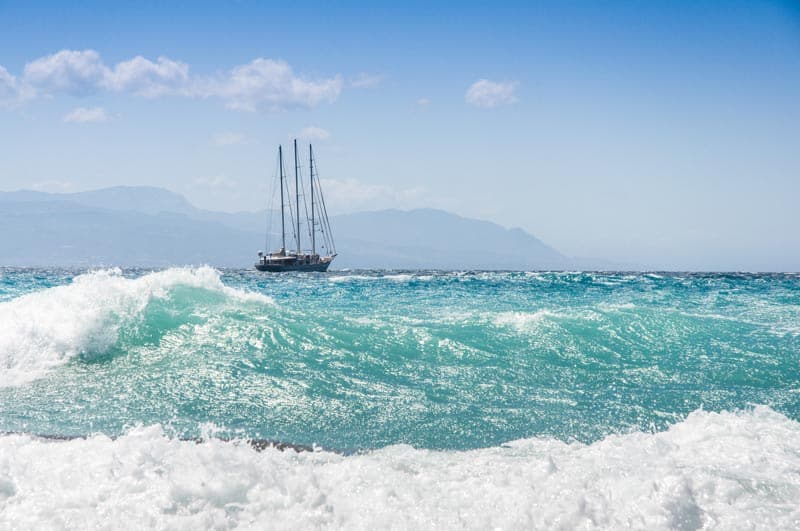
(45, 329)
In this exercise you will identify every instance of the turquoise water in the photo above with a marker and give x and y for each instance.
(363, 360)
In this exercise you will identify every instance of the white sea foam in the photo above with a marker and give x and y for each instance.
(396, 277)
(521, 319)
(400, 277)
(46, 328)
(350, 278)
(728, 471)
(616, 306)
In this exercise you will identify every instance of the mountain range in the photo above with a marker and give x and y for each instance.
(154, 227)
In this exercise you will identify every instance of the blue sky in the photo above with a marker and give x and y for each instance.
(656, 133)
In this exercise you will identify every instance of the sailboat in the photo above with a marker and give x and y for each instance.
(298, 259)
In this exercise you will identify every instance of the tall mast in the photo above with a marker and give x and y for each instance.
(297, 194)
(283, 224)
(311, 173)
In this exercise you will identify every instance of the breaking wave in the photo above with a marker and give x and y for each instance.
(47, 328)
(712, 470)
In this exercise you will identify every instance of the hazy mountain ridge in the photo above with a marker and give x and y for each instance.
(143, 199)
(62, 233)
(148, 226)
(435, 238)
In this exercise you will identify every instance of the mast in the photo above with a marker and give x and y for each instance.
(297, 194)
(311, 172)
(283, 224)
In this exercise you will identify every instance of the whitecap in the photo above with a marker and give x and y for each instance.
(522, 319)
(44, 329)
(724, 470)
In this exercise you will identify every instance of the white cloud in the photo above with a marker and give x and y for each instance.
(8, 84)
(87, 115)
(70, 71)
(313, 133)
(366, 81)
(489, 94)
(269, 84)
(423, 102)
(228, 138)
(262, 84)
(351, 195)
(9, 89)
(146, 78)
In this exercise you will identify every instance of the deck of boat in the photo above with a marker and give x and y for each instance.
(274, 267)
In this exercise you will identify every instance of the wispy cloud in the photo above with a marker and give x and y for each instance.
(262, 84)
(83, 115)
(423, 102)
(227, 138)
(9, 89)
(313, 133)
(68, 71)
(267, 84)
(364, 80)
(8, 83)
(490, 94)
(147, 78)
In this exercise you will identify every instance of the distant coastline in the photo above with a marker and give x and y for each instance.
(153, 227)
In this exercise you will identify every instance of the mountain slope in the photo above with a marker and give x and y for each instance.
(145, 199)
(145, 226)
(433, 238)
(62, 233)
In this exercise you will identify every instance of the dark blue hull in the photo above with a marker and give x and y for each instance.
(280, 268)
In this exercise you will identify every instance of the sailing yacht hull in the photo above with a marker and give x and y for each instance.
(280, 268)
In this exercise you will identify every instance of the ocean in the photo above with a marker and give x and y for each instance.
(420, 399)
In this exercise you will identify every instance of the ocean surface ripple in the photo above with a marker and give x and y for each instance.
(570, 399)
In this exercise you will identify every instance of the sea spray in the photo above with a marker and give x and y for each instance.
(44, 329)
(725, 470)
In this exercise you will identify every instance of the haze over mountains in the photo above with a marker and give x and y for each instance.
(153, 227)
